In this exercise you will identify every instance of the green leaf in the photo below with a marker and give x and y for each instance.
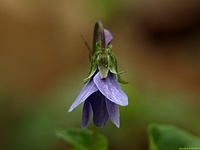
(168, 137)
(82, 139)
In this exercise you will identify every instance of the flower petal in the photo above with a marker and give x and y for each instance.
(108, 37)
(113, 112)
(86, 114)
(87, 90)
(100, 117)
(110, 88)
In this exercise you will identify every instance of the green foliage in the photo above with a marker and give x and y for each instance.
(82, 139)
(168, 137)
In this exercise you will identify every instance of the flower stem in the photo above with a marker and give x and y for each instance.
(99, 29)
(95, 137)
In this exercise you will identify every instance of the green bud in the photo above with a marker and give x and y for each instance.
(103, 64)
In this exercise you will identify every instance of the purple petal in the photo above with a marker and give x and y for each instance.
(86, 114)
(110, 88)
(113, 112)
(100, 114)
(87, 90)
(108, 37)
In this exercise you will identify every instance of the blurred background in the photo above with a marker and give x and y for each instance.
(43, 62)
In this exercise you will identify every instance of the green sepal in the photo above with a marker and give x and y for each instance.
(113, 63)
(93, 67)
(109, 49)
(103, 64)
(113, 66)
(120, 80)
(97, 48)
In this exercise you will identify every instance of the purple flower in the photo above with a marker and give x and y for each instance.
(102, 96)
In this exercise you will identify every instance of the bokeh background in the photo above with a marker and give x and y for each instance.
(43, 62)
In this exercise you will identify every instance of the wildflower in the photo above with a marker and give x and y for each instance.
(103, 97)
(102, 93)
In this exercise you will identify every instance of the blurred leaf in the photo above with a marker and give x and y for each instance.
(82, 139)
(167, 137)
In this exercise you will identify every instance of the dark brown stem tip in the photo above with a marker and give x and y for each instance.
(100, 30)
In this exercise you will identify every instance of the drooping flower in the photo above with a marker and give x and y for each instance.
(102, 96)
(102, 93)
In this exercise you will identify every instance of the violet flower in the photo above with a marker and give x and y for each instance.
(102, 96)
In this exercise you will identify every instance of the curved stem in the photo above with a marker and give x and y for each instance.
(101, 30)
(98, 28)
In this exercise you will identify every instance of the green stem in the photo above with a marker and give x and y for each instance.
(95, 137)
